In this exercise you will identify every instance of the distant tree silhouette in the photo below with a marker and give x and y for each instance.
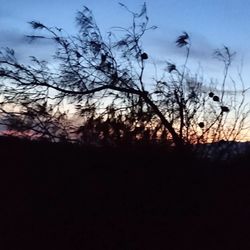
(104, 80)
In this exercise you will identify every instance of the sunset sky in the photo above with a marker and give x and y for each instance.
(211, 24)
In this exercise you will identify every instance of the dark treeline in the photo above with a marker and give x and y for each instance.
(64, 196)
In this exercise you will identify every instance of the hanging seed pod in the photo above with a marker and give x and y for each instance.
(201, 124)
(211, 94)
(103, 58)
(144, 56)
(224, 109)
(171, 67)
(216, 98)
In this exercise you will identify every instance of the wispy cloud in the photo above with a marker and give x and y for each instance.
(201, 56)
(23, 47)
(11, 38)
(202, 48)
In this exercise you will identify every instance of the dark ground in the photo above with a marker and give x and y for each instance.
(67, 197)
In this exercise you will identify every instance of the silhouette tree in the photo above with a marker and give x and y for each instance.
(103, 78)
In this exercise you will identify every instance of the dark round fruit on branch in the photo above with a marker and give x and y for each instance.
(224, 109)
(201, 124)
(144, 56)
(171, 67)
(216, 98)
(211, 94)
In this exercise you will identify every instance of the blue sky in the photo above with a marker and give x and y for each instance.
(211, 24)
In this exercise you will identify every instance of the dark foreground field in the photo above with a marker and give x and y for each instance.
(66, 197)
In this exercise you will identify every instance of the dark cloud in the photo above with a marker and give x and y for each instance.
(201, 60)
(201, 49)
(23, 47)
(11, 38)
